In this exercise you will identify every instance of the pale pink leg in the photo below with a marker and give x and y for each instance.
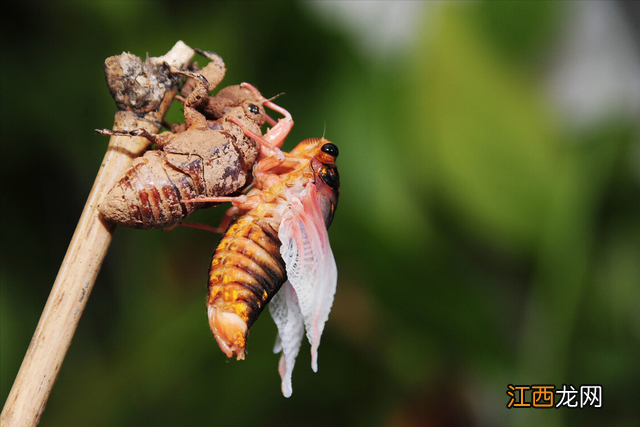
(217, 199)
(269, 120)
(253, 89)
(268, 163)
(226, 219)
(196, 225)
(267, 149)
(271, 142)
(279, 131)
(224, 224)
(242, 202)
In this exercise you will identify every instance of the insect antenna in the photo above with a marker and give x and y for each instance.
(275, 96)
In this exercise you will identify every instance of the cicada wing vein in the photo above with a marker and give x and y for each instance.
(311, 267)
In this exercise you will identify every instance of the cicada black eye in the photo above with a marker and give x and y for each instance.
(253, 109)
(330, 149)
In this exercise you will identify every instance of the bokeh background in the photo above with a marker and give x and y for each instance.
(488, 231)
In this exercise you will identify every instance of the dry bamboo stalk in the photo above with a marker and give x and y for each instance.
(143, 93)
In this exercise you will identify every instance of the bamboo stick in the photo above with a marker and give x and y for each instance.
(143, 93)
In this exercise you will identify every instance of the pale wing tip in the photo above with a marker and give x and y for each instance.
(277, 347)
(285, 374)
(286, 389)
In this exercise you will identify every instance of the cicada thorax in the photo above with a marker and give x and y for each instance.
(246, 272)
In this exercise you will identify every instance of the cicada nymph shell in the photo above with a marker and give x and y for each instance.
(210, 155)
(278, 251)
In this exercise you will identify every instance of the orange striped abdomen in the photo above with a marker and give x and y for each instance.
(246, 272)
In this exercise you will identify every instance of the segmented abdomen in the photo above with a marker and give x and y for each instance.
(149, 194)
(196, 163)
(247, 269)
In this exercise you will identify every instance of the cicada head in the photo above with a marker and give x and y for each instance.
(228, 99)
(327, 178)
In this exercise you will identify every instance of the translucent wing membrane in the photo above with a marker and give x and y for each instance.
(286, 314)
(312, 278)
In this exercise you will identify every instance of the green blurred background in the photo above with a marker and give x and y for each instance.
(488, 231)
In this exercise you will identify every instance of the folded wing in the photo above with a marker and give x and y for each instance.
(312, 278)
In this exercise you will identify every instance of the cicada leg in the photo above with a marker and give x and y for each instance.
(217, 230)
(174, 127)
(241, 202)
(216, 199)
(192, 116)
(271, 156)
(278, 133)
(220, 229)
(158, 139)
(270, 143)
(280, 129)
(193, 225)
(226, 219)
(214, 71)
(267, 150)
(269, 120)
(196, 76)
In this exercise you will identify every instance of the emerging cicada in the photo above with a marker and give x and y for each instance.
(278, 251)
(208, 156)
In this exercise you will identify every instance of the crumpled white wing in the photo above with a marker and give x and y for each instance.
(286, 314)
(311, 268)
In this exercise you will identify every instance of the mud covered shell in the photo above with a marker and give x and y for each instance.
(207, 156)
(195, 163)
